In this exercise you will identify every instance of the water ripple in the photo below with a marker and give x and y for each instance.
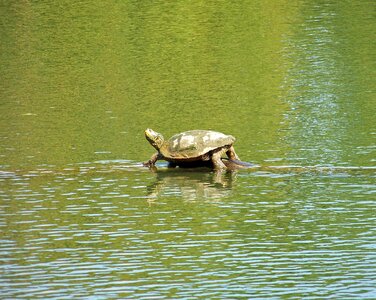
(258, 236)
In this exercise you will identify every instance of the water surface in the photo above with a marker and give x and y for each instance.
(292, 81)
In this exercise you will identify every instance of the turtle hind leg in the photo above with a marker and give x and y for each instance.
(217, 162)
(231, 154)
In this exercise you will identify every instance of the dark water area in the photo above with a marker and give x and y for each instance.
(80, 217)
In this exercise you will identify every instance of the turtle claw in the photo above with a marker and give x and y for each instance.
(151, 162)
(147, 164)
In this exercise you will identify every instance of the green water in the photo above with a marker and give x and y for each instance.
(81, 218)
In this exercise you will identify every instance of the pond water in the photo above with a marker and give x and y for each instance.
(293, 81)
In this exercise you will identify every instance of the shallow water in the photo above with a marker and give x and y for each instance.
(292, 81)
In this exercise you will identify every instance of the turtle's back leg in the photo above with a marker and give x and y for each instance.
(231, 154)
(217, 162)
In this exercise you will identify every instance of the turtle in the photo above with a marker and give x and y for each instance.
(191, 147)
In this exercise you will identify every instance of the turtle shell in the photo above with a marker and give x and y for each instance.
(195, 143)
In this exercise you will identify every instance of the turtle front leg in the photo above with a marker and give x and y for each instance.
(231, 154)
(151, 162)
(217, 162)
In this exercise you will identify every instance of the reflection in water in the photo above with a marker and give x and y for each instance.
(193, 184)
(93, 234)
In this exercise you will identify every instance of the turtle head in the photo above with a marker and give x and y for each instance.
(154, 138)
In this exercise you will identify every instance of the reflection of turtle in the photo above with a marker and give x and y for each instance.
(191, 147)
(190, 184)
